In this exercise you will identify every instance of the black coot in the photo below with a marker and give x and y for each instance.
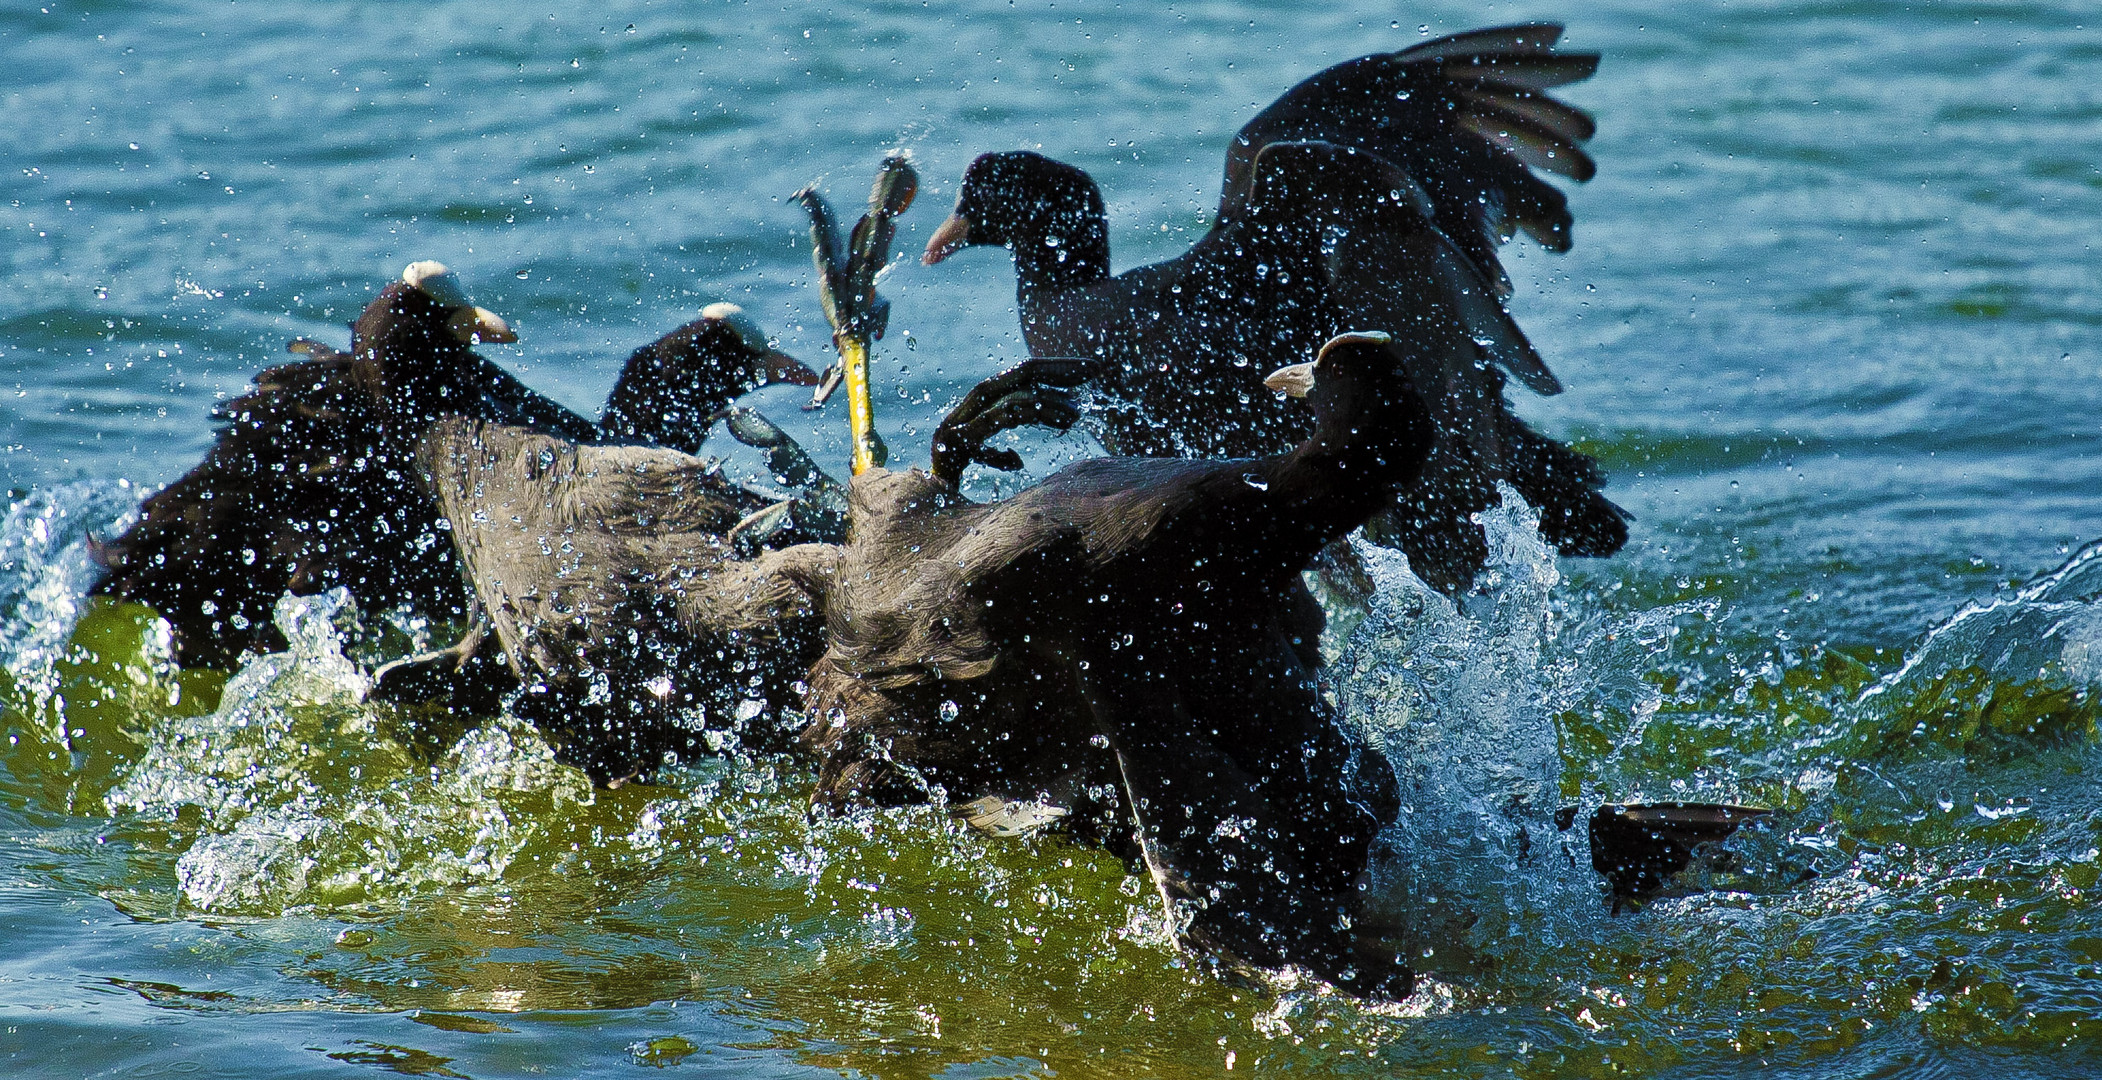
(1122, 644)
(311, 483)
(1305, 245)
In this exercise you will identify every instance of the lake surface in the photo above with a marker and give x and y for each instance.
(1833, 321)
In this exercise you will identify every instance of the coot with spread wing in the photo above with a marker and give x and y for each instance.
(1305, 245)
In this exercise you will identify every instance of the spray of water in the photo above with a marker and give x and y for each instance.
(1462, 698)
(306, 800)
(45, 571)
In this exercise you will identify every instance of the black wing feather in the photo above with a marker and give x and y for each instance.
(1523, 37)
(1465, 116)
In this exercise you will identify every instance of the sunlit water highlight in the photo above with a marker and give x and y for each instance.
(1830, 321)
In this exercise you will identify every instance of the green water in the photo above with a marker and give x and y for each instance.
(1830, 322)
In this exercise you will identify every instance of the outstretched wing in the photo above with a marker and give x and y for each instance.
(1389, 266)
(1389, 263)
(1467, 117)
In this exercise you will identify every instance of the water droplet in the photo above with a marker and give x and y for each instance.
(1256, 482)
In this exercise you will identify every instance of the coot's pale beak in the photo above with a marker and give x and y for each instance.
(478, 325)
(947, 240)
(1294, 381)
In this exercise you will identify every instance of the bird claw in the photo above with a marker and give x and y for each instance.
(826, 384)
(785, 458)
(755, 528)
(752, 428)
(1035, 393)
(1003, 460)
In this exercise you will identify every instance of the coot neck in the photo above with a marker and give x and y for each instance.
(1362, 449)
(1060, 255)
(417, 375)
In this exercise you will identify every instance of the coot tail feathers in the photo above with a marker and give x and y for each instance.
(1639, 847)
(1518, 37)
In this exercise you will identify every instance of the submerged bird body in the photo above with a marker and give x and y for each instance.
(1306, 245)
(1123, 641)
(609, 576)
(312, 483)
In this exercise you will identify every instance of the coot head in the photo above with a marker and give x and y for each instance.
(430, 300)
(1345, 364)
(1365, 405)
(1021, 197)
(417, 340)
(725, 337)
(671, 389)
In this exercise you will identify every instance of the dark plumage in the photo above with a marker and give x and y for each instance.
(1306, 245)
(311, 483)
(1128, 640)
(671, 389)
(608, 576)
(621, 582)
(1637, 848)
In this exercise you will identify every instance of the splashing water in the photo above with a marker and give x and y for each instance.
(1932, 804)
(306, 799)
(45, 570)
(2024, 667)
(1462, 700)
(1947, 801)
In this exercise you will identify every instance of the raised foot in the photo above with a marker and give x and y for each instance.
(1034, 393)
